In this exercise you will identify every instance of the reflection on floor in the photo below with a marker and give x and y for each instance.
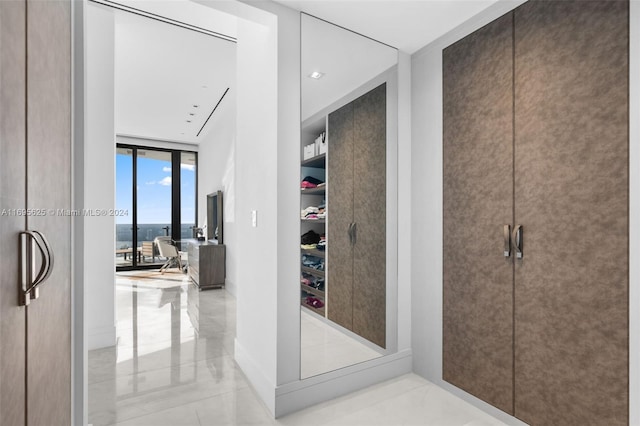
(173, 365)
(324, 348)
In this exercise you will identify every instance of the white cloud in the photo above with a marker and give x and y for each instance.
(151, 182)
(166, 181)
(166, 169)
(190, 167)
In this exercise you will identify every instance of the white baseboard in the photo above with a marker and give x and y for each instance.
(314, 390)
(101, 337)
(261, 384)
(231, 287)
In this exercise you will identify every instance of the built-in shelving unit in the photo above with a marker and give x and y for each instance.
(313, 197)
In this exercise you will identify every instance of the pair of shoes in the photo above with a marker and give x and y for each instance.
(316, 303)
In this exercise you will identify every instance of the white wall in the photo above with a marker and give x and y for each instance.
(256, 190)
(99, 182)
(216, 171)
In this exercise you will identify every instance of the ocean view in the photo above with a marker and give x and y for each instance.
(147, 232)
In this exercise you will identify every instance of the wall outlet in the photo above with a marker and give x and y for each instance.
(254, 218)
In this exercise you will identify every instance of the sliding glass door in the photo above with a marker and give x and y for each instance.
(158, 189)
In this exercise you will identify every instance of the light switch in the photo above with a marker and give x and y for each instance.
(254, 218)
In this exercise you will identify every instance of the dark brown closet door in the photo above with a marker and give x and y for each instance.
(571, 172)
(369, 214)
(49, 186)
(12, 196)
(340, 207)
(478, 196)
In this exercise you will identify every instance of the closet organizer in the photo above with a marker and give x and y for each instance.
(356, 224)
(535, 315)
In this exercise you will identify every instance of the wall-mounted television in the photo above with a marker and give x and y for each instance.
(214, 217)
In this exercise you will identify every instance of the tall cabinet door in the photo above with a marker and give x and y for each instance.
(478, 202)
(12, 196)
(49, 186)
(571, 172)
(369, 215)
(35, 165)
(340, 207)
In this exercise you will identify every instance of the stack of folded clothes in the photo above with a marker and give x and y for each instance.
(311, 182)
(313, 212)
(312, 240)
(313, 262)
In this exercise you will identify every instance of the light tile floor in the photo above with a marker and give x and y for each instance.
(173, 365)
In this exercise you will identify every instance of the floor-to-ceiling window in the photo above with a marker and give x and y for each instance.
(156, 192)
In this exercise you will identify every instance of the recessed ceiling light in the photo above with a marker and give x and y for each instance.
(316, 75)
(188, 121)
(192, 113)
(196, 106)
(204, 87)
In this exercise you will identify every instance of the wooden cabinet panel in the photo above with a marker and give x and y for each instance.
(478, 201)
(12, 196)
(369, 214)
(339, 266)
(571, 174)
(49, 187)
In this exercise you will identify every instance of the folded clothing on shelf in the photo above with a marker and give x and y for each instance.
(313, 212)
(310, 182)
(308, 246)
(322, 245)
(313, 262)
(311, 237)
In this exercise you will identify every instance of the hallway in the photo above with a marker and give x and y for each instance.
(174, 365)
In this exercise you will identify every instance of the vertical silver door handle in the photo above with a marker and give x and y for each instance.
(518, 241)
(355, 233)
(350, 232)
(30, 279)
(507, 240)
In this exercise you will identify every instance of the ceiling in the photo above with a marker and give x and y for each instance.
(405, 24)
(346, 59)
(168, 79)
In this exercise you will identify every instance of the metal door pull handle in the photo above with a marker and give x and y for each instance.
(30, 280)
(352, 231)
(518, 241)
(507, 240)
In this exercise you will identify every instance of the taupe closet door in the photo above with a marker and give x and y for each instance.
(571, 173)
(478, 201)
(35, 100)
(369, 214)
(340, 206)
(356, 222)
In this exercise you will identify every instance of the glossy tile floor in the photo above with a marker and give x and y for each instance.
(173, 365)
(324, 348)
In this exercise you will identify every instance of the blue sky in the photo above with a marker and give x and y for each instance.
(154, 190)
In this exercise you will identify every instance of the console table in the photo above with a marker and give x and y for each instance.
(206, 264)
